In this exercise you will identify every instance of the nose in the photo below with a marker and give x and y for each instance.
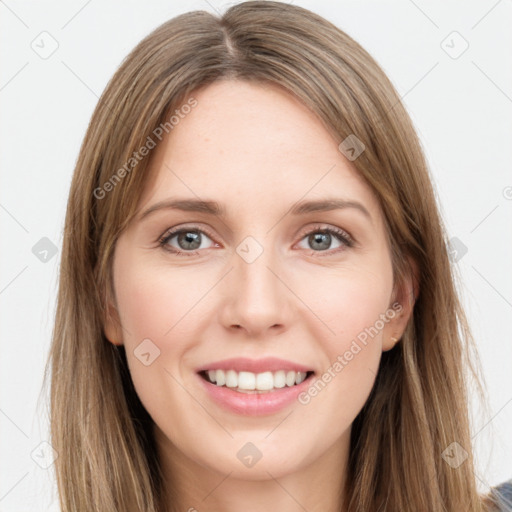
(257, 299)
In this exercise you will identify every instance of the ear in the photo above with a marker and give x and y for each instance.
(402, 303)
(112, 323)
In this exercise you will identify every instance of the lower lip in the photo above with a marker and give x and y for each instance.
(254, 404)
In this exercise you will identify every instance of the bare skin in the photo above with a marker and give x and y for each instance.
(256, 151)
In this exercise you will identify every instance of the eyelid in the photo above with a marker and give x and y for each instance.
(171, 232)
(322, 226)
(342, 235)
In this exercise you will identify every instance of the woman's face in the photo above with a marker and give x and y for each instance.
(262, 279)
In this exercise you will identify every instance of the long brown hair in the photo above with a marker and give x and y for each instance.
(418, 406)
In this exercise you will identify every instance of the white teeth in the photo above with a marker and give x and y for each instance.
(264, 381)
(220, 378)
(300, 377)
(279, 379)
(231, 379)
(248, 381)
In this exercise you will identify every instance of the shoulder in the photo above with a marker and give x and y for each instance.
(503, 495)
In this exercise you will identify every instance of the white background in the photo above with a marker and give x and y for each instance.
(461, 107)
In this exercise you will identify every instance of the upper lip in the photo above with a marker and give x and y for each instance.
(244, 364)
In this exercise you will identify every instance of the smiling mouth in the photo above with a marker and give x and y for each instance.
(255, 383)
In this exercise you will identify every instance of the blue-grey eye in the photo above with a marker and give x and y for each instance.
(187, 240)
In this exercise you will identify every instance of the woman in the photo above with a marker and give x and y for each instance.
(256, 307)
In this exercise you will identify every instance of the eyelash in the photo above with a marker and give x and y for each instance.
(340, 234)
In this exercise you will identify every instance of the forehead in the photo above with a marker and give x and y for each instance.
(251, 142)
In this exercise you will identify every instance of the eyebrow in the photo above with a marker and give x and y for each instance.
(215, 209)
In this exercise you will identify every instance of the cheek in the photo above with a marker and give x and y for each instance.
(168, 306)
(351, 305)
(345, 301)
(158, 305)
(155, 302)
